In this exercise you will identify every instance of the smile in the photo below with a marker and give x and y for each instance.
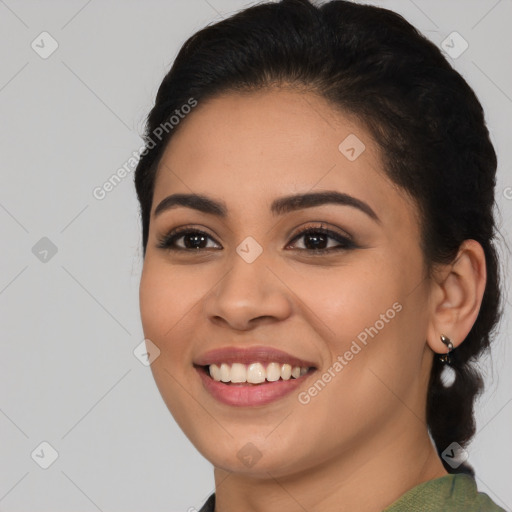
(251, 376)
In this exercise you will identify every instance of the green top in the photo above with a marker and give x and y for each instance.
(453, 492)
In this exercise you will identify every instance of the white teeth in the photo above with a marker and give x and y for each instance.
(255, 373)
(225, 372)
(273, 372)
(215, 372)
(238, 372)
(286, 371)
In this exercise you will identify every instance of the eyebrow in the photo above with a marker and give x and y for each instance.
(279, 206)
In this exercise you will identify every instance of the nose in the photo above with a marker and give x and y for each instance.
(247, 295)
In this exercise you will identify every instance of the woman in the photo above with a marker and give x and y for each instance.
(316, 197)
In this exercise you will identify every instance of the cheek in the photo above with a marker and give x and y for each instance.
(167, 302)
(343, 301)
(171, 301)
(166, 295)
(156, 300)
(162, 305)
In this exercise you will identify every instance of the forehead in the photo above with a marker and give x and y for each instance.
(250, 148)
(272, 125)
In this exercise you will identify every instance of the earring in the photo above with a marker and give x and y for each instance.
(445, 358)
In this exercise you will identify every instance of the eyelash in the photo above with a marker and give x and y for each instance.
(167, 241)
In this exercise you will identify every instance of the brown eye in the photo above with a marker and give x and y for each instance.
(316, 240)
(193, 240)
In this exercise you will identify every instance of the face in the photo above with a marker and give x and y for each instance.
(333, 284)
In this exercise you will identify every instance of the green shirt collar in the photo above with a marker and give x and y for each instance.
(453, 492)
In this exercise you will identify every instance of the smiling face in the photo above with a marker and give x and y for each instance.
(355, 312)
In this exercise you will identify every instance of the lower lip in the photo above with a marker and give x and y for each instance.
(249, 394)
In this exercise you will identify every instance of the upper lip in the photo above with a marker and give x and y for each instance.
(249, 355)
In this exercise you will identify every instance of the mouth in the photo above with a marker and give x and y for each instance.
(251, 376)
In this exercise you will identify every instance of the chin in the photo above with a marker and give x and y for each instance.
(251, 459)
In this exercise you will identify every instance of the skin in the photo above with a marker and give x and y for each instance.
(366, 428)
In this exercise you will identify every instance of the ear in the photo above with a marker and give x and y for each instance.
(456, 296)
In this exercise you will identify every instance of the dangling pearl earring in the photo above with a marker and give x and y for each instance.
(445, 358)
(448, 373)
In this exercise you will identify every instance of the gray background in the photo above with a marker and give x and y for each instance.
(70, 320)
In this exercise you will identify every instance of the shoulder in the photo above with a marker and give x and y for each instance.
(455, 492)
